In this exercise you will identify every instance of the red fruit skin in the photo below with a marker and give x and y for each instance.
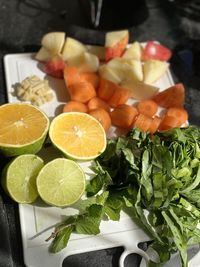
(153, 50)
(55, 68)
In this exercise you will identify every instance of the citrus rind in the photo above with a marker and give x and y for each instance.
(10, 150)
(61, 182)
(65, 151)
(19, 178)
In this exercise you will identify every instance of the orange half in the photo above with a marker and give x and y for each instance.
(78, 135)
(23, 128)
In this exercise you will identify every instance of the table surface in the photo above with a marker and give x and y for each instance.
(23, 23)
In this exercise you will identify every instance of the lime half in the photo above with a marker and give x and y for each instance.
(19, 178)
(61, 182)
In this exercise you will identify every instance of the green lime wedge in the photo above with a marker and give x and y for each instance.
(61, 182)
(19, 178)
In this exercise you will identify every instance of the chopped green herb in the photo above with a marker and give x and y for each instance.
(158, 176)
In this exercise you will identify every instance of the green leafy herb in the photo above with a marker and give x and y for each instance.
(61, 235)
(156, 180)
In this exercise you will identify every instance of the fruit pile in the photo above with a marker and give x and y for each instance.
(60, 182)
(115, 83)
(115, 61)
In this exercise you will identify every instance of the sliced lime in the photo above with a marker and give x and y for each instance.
(19, 178)
(61, 182)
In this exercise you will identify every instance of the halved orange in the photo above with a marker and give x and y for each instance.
(78, 135)
(23, 129)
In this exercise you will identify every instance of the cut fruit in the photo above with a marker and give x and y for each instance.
(72, 49)
(140, 90)
(133, 52)
(85, 62)
(115, 43)
(98, 51)
(78, 135)
(55, 67)
(54, 41)
(117, 66)
(23, 129)
(43, 55)
(132, 69)
(123, 69)
(109, 74)
(61, 182)
(154, 50)
(113, 38)
(154, 70)
(19, 178)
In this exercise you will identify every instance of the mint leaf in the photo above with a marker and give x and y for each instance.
(89, 222)
(61, 239)
(100, 180)
(114, 204)
(102, 198)
(156, 180)
(113, 214)
(95, 185)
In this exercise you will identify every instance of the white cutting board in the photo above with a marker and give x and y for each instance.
(38, 220)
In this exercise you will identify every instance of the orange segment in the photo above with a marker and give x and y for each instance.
(78, 135)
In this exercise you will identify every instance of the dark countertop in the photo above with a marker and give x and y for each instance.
(23, 23)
